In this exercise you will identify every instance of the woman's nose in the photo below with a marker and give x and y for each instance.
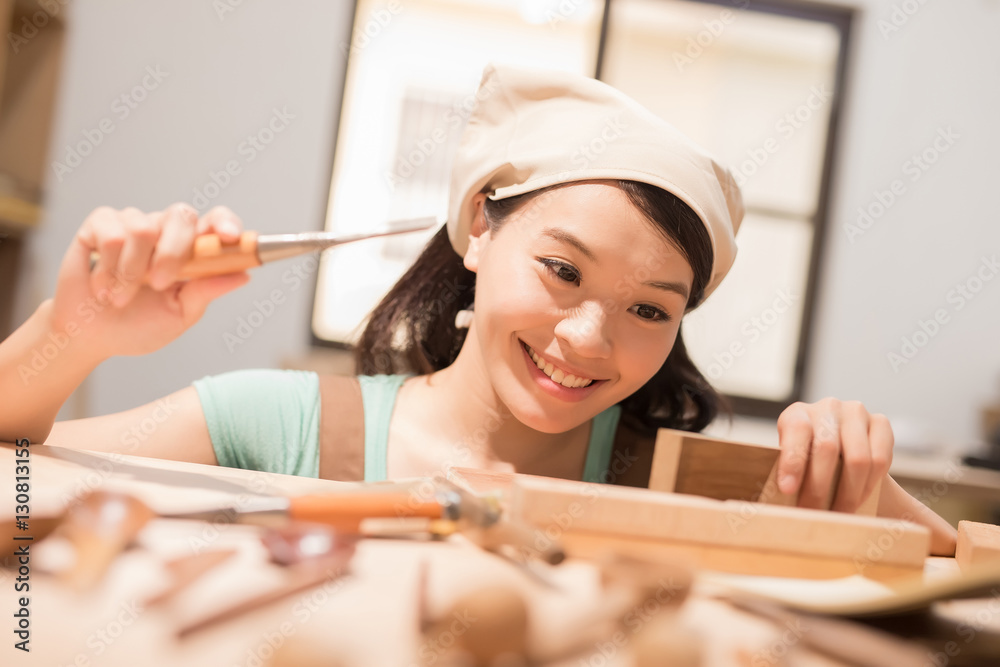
(585, 329)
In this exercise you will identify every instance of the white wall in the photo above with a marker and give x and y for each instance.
(224, 77)
(939, 70)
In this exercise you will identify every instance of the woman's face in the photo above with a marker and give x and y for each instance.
(579, 280)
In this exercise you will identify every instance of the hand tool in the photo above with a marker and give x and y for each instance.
(211, 257)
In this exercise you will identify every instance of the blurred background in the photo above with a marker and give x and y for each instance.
(863, 135)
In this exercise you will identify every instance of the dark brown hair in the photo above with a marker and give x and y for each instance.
(413, 328)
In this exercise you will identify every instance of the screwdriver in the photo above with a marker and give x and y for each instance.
(211, 257)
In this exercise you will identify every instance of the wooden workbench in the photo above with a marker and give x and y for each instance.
(367, 617)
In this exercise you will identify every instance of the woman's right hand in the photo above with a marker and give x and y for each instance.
(111, 311)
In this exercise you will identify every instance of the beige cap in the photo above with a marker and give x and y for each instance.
(534, 128)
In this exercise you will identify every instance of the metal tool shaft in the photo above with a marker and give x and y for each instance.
(271, 247)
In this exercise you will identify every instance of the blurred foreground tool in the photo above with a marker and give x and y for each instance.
(211, 257)
(185, 571)
(299, 577)
(99, 527)
(846, 640)
(483, 522)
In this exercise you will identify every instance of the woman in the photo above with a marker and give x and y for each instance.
(581, 229)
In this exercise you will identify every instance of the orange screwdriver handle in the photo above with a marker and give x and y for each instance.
(347, 510)
(211, 257)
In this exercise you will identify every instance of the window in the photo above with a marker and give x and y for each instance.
(757, 84)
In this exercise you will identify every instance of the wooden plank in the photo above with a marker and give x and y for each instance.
(977, 543)
(581, 544)
(559, 506)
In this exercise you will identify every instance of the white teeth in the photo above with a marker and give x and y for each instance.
(557, 374)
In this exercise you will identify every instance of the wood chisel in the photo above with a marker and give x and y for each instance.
(211, 257)
(344, 511)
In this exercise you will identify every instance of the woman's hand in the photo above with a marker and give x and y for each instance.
(813, 436)
(111, 311)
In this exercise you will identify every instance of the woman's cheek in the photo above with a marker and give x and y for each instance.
(643, 356)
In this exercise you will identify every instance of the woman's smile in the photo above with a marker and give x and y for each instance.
(554, 380)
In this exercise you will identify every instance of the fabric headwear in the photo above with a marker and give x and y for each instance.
(534, 128)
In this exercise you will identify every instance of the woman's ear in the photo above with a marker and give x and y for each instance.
(479, 235)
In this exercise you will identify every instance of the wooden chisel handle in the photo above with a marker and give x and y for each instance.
(348, 510)
(211, 257)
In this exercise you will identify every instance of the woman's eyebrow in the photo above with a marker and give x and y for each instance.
(567, 237)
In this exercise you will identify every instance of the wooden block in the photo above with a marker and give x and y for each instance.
(977, 543)
(692, 463)
(696, 464)
(562, 506)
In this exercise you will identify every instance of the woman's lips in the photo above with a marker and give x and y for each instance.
(553, 388)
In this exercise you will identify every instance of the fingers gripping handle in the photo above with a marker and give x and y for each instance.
(211, 257)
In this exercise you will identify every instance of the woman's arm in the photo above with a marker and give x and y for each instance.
(131, 303)
(172, 427)
(39, 369)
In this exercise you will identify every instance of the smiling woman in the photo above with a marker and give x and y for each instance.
(578, 272)
(601, 304)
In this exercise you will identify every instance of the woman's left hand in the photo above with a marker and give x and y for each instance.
(813, 436)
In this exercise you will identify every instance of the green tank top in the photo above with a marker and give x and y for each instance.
(267, 419)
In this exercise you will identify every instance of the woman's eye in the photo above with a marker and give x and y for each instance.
(651, 313)
(564, 272)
